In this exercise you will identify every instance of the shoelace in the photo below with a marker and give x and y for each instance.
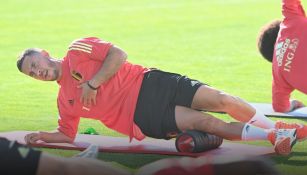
(286, 125)
(279, 133)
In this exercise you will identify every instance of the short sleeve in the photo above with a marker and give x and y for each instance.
(68, 124)
(92, 48)
(292, 9)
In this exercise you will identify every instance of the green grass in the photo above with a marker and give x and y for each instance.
(213, 41)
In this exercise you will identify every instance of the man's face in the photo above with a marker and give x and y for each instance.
(39, 66)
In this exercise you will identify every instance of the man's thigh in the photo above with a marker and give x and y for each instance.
(188, 119)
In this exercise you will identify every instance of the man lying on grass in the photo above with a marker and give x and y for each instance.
(97, 82)
(18, 159)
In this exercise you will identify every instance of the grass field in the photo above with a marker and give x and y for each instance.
(213, 41)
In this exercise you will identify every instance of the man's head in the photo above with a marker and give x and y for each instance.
(267, 38)
(38, 64)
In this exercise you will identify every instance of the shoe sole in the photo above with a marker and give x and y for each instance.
(295, 140)
(283, 147)
(302, 139)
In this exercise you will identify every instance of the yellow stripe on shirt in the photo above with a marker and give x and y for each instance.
(83, 44)
(76, 75)
(79, 49)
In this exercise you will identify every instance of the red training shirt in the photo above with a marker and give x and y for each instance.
(116, 98)
(290, 55)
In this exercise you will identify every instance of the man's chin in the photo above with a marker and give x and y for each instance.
(56, 75)
(52, 79)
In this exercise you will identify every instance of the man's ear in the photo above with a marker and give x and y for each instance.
(45, 53)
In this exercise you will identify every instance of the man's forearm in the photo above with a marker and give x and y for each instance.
(55, 137)
(115, 58)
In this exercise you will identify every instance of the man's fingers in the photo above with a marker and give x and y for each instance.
(80, 85)
(35, 138)
(88, 102)
(32, 138)
(82, 99)
(88, 97)
(27, 139)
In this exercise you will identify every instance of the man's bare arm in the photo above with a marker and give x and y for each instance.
(115, 58)
(49, 137)
(50, 165)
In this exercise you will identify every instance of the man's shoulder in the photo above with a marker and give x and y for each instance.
(86, 39)
(81, 46)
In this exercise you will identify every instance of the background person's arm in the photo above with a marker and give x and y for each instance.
(295, 104)
(51, 165)
(292, 9)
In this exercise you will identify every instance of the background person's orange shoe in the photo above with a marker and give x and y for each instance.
(300, 128)
(283, 140)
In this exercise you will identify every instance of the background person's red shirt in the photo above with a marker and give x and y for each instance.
(116, 98)
(290, 55)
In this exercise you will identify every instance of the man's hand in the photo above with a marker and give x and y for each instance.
(295, 104)
(88, 96)
(32, 138)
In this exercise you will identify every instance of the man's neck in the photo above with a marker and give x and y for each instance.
(59, 68)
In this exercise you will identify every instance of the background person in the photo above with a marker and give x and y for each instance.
(18, 159)
(283, 42)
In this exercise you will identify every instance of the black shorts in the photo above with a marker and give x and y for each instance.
(159, 94)
(17, 159)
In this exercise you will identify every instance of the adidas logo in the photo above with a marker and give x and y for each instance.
(280, 50)
(23, 151)
(193, 83)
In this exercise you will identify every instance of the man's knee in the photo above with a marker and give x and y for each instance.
(49, 165)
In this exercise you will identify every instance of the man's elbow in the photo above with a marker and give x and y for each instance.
(122, 55)
(65, 138)
(119, 54)
(69, 140)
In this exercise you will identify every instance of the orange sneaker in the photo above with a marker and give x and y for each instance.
(301, 129)
(283, 140)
